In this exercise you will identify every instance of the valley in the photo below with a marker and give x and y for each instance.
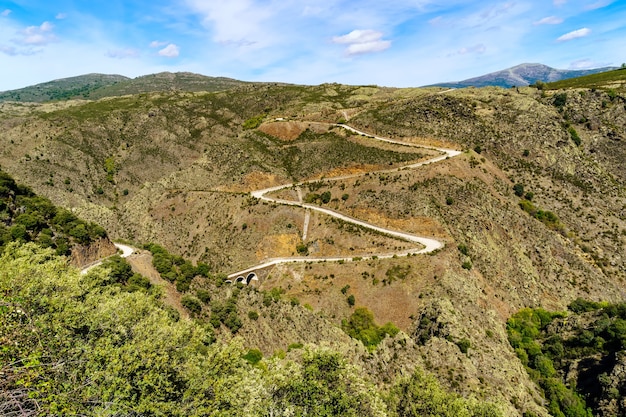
(442, 215)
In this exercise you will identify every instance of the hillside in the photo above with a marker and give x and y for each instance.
(27, 217)
(521, 75)
(96, 86)
(63, 89)
(532, 213)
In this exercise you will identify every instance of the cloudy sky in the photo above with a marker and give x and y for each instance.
(393, 43)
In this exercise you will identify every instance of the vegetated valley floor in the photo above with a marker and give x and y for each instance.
(177, 168)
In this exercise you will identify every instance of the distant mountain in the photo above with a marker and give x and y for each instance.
(522, 75)
(95, 86)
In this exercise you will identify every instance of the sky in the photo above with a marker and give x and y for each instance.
(398, 43)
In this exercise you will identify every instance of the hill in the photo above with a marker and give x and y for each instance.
(531, 214)
(614, 79)
(63, 89)
(96, 86)
(521, 75)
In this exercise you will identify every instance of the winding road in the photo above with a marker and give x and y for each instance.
(126, 252)
(429, 245)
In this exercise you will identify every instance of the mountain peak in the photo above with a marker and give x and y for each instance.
(521, 75)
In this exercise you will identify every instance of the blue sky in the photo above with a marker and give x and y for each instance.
(393, 43)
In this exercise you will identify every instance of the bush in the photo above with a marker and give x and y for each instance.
(192, 304)
(518, 189)
(351, 300)
(253, 122)
(574, 135)
(253, 356)
(361, 326)
(204, 296)
(253, 315)
(559, 100)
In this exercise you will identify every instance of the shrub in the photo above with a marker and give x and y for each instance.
(253, 356)
(449, 201)
(361, 326)
(204, 296)
(518, 189)
(351, 300)
(463, 344)
(192, 304)
(574, 135)
(253, 315)
(253, 122)
(559, 100)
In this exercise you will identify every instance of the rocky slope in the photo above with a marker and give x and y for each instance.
(177, 168)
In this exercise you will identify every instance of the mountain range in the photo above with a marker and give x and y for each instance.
(521, 75)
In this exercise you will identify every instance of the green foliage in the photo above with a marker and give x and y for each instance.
(581, 305)
(546, 217)
(253, 315)
(422, 395)
(192, 304)
(324, 385)
(463, 249)
(518, 189)
(204, 296)
(253, 356)
(175, 268)
(463, 344)
(253, 122)
(525, 331)
(293, 346)
(449, 201)
(302, 248)
(599, 80)
(559, 100)
(351, 300)
(574, 135)
(361, 326)
(92, 349)
(344, 289)
(226, 313)
(27, 217)
(397, 272)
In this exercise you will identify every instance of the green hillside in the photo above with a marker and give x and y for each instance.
(26, 217)
(96, 86)
(63, 89)
(609, 79)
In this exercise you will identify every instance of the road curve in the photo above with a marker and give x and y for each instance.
(126, 252)
(429, 245)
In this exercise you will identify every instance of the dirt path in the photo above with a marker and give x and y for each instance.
(427, 244)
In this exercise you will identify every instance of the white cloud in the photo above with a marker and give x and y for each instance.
(5, 13)
(235, 22)
(598, 4)
(476, 49)
(157, 44)
(61, 16)
(550, 20)
(37, 35)
(559, 2)
(170, 51)
(580, 33)
(582, 64)
(122, 53)
(362, 42)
